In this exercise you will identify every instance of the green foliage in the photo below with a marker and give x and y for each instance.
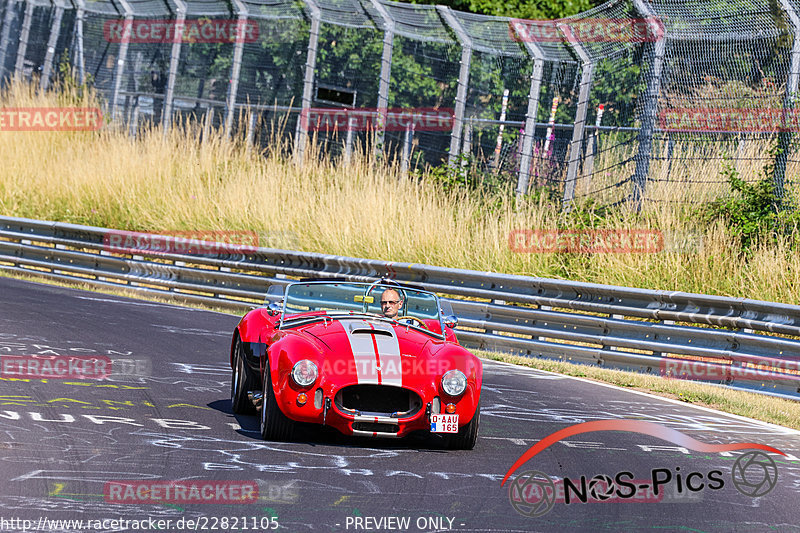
(351, 59)
(66, 77)
(465, 174)
(754, 211)
(587, 215)
(526, 9)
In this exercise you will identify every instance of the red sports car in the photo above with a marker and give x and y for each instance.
(369, 359)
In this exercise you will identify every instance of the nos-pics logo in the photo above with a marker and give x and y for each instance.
(533, 493)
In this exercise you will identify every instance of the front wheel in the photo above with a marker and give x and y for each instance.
(467, 436)
(274, 424)
(240, 383)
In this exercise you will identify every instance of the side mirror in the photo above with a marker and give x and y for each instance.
(451, 321)
(274, 309)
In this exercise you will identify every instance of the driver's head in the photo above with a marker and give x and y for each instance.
(391, 303)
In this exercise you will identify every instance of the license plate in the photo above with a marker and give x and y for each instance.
(444, 423)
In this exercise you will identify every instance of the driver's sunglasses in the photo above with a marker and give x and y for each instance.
(390, 302)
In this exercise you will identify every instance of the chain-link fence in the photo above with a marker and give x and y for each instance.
(636, 100)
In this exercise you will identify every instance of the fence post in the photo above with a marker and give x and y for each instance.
(466, 146)
(386, 73)
(499, 144)
(5, 39)
(594, 139)
(52, 42)
(463, 79)
(533, 110)
(348, 143)
(236, 68)
(669, 148)
(407, 143)
(649, 104)
(79, 59)
(407, 140)
(576, 146)
(23, 38)
(174, 57)
(123, 54)
(251, 130)
(785, 136)
(133, 122)
(301, 135)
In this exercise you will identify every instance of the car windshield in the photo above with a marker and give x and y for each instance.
(336, 298)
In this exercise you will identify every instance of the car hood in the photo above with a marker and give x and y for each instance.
(379, 351)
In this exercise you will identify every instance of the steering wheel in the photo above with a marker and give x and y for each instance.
(422, 324)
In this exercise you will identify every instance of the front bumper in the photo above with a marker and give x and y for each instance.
(322, 408)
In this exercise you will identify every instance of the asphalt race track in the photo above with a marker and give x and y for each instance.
(164, 415)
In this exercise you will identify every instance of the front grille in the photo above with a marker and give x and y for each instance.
(375, 427)
(379, 400)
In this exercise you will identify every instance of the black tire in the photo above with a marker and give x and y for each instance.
(275, 425)
(241, 383)
(467, 436)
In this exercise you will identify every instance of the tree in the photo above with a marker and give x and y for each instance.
(525, 9)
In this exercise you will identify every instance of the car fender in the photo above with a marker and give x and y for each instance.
(453, 356)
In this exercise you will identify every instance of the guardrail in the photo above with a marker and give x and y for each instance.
(741, 342)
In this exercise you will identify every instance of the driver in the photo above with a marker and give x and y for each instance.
(391, 303)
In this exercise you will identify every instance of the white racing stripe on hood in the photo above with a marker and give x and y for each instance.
(377, 356)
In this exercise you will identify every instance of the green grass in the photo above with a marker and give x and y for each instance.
(178, 182)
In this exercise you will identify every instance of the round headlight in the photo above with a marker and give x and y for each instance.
(304, 373)
(454, 382)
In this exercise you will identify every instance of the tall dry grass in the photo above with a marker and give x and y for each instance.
(188, 181)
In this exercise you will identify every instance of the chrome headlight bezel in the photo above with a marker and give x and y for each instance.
(454, 383)
(305, 373)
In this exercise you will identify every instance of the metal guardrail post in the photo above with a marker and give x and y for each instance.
(386, 73)
(649, 105)
(23, 38)
(5, 38)
(576, 146)
(174, 57)
(463, 79)
(528, 136)
(236, 68)
(52, 42)
(785, 137)
(119, 72)
(301, 135)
